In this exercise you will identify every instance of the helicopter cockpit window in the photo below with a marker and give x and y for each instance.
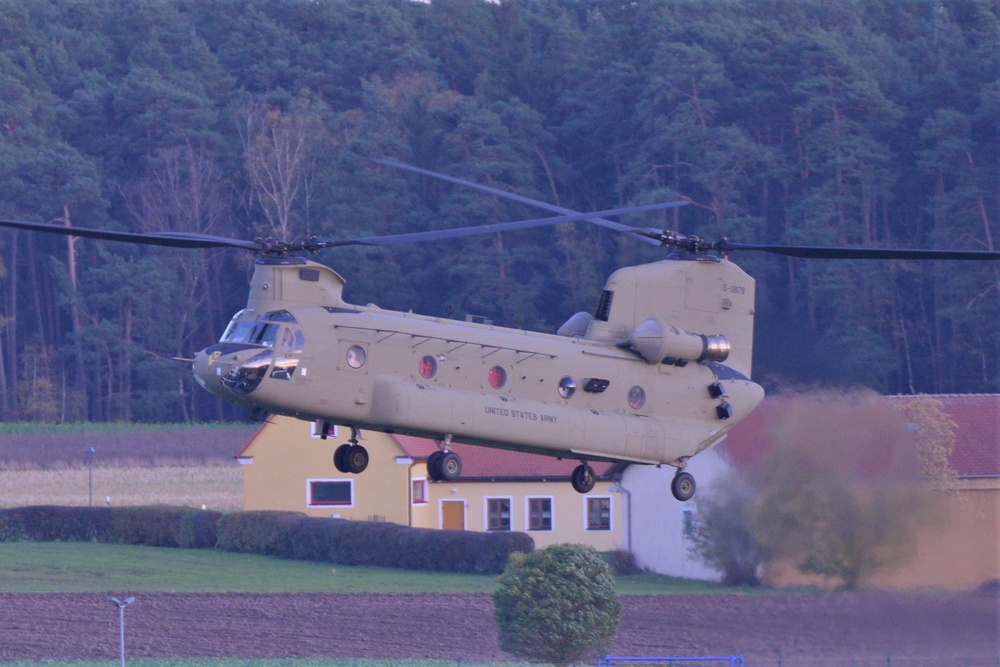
(604, 307)
(264, 333)
(292, 342)
(238, 329)
(237, 332)
(279, 316)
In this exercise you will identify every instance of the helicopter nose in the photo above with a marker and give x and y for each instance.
(226, 369)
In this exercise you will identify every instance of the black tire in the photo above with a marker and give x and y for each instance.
(434, 465)
(356, 459)
(583, 478)
(449, 466)
(340, 458)
(683, 486)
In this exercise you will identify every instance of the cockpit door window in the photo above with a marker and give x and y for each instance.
(292, 342)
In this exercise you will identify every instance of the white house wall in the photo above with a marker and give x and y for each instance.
(658, 541)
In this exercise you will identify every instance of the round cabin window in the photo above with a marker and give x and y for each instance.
(356, 356)
(636, 397)
(428, 366)
(498, 377)
(567, 387)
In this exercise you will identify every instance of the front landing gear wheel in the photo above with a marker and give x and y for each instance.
(350, 458)
(356, 459)
(583, 478)
(683, 486)
(339, 458)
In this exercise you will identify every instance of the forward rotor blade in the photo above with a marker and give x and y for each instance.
(610, 224)
(460, 232)
(815, 252)
(167, 239)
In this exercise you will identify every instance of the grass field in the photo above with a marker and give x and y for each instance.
(168, 464)
(217, 486)
(45, 567)
(261, 662)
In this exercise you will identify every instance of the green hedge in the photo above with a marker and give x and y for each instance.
(283, 534)
(375, 544)
(156, 526)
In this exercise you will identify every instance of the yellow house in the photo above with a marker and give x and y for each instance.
(287, 465)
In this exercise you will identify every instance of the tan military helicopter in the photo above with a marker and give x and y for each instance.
(659, 372)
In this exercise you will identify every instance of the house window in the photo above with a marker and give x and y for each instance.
(330, 492)
(498, 514)
(599, 513)
(316, 429)
(539, 514)
(418, 495)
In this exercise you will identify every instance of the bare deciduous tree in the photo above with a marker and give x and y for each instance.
(280, 150)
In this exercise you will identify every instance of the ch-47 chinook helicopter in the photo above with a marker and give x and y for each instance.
(659, 372)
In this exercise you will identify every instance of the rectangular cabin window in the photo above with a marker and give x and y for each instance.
(330, 493)
(539, 514)
(604, 307)
(599, 513)
(498, 514)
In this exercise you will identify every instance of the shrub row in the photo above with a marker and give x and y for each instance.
(300, 537)
(155, 526)
(283, 534)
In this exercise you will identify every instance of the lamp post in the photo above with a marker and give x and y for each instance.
(121, 604)
(89, 452)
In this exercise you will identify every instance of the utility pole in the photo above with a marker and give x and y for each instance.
(90, 451)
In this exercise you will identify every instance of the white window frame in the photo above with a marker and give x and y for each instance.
(309, 486)
(486, 514)
(586, 515)
(314, 430)
(552, 514)
(423, 482)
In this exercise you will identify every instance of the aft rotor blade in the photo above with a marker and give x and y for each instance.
(815, 252)
(461, 232)
(610, 224)
(167, 239)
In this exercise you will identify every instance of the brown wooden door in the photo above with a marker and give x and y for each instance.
(453, 514)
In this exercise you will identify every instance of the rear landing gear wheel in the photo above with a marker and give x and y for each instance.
(583, 478)
(433, 461)
(683, 486)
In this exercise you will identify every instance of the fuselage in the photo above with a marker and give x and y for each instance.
(562, 395)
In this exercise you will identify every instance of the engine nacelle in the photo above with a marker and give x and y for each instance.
(655, 340)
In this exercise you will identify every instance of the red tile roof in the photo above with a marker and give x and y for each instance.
(977, 431)
(488, 463)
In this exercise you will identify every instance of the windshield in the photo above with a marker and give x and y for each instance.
(262, 331)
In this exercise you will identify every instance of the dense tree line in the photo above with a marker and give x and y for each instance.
(859, 122)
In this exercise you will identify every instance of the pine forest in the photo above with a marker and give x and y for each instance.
(855, 122)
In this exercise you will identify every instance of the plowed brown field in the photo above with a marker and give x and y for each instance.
(863, 628)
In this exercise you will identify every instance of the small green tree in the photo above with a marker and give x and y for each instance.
(721, 536)
(557, 605)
